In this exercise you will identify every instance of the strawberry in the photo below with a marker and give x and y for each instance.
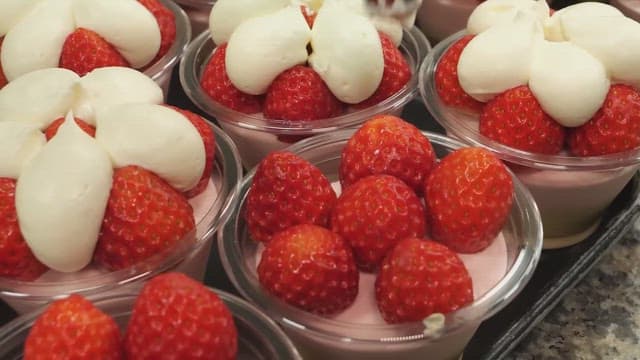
(52, 129)
(85, 50)
(446, 79)
(421, 277)
(386, 144)
(287, 190)
(175, 317)
(614, 128)
(309, 15)
(515, 118)
(144, 216)
(299, 93)
(166, 22)
(216, 84)
(395, 76)
(16, 259)
(468, 196)
(73, 329)
(3, 79)
(374, 214)
(209, 141)
(311, 268)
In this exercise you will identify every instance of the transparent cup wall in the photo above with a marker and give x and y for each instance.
(198, 12)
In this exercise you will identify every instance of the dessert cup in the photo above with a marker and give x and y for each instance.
(441, 18)
(256, 136)
(198, 12)
(189, 256)
(513, 257)
(258, 336)
(571, 192)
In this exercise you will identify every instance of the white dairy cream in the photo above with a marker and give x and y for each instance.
(226, 15)
(391, 27)
(494, 12)
(135, 34)
(11, 11)
(35, 42)
(581, 13)
(499, 58)
(39, 97)
(20, 141)
(569, 83)
(353, 70)
(154, 137)
(61, 197)
(114, 85)
(262, 47)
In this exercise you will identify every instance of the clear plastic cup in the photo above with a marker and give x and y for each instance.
(441, 18)
(259, 337)
(198, 12)
(571, 192)
(256, 136)
(516, 250)
(189, 256)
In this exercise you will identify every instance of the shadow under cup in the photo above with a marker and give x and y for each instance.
(324, 338)
(189, 256)
(571, 192)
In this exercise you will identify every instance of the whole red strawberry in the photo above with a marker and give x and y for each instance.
(16, 259)
(395, 76)
(52, 129)
(468, 196)
(287, 190)
(216, 84)
(446, 79)
(421, 277)
(166, 22)
(73, 329)
(374, 214)
(3, 78)
(299, 93)
(85, 50)
(176, 317)
(144, 216)
(515, 118)
(311, 268)
(614, 128)
(209, 141)
(387, 145)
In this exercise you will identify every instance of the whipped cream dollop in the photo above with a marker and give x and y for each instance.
(262, 47)
(20, 141)
(494, 12)
(226, 15)
(45, 24)
(154, 137)
(61, 196)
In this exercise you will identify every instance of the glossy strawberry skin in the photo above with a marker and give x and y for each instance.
(3, 78)
(52, 129)
(374, 214)
(84, 50)
(395, 76)
(387, 145)
(421, 277)
(209, 141)
(166, 22)
(311, 268)
(299, 93)
(16, 259)
(614, 128)
(175, 317)
(145, 216)
(216, 84)
(287, 190)
(516, 119)
(468, 197)
(446, 79)
(73, 329)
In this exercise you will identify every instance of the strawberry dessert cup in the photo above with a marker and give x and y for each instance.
(573, 170)
(258, 337)
(498, 273)
(81, 36)
(279, 113)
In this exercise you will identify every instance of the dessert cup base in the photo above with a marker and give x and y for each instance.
(569, 240)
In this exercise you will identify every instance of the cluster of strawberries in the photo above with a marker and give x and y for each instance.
(401, 213)
(299, 93)
(174, 317)
(516, 119)
(145, 216)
